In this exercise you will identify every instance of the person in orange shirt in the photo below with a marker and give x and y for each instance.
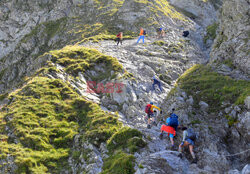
(142, 35)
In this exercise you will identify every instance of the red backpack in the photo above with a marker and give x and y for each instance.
(148, 108)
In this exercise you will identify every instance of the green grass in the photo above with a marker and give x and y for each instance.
(163, 7)
(231, 121)
(159, 43)
(204, 84)
(141, 166)
(126, 138)
(44, 121)
(119, 163)
(229, 63)
(45, 115)
(221, 38)
(195, 122)
(100, 31)
(165, 78)
(77, 59)
(211, 32)
(3, 96)
(2, 73)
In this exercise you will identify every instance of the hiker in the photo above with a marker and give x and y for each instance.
(160, 33)
(119, 37)
(188, 139)
(173, 120)
(171, 127)
(150, 113)
(171, 134)
(156, 82)
(142, 35)
(185, 33)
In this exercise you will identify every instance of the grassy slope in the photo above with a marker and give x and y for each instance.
(206, 85)
(46, 114)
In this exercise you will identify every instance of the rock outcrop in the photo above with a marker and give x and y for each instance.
(231, 45)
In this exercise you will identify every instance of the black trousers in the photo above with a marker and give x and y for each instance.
(119, 40)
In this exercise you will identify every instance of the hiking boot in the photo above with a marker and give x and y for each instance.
(148, 126)
(161, 136)
(154, 123)
(180, 155)
(172, 147)
(194, 161)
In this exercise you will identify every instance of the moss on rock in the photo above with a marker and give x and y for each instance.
(126, 138)
(211, 32)
(212, 87)
(44, 116)
(77, 59)
(119, 163)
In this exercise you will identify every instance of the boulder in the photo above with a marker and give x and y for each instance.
(247, 102)
(203, 106)
(190, 100)
(246, 169)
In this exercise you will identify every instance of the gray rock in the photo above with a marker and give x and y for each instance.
(246, 169)
(237, 108)
(247, 102)
(227, 110)
(203, 105)
(233, 114)
(180, 99)
(233, 171)
(225, 70)
(190, 100)
(229, 43)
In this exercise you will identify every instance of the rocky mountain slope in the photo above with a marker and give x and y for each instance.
(52, 123)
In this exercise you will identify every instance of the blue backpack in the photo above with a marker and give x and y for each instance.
(173, 121)
(191, 134)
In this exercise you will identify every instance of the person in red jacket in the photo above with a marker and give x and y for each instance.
(119, 37)
(171, 134)
(150, 113)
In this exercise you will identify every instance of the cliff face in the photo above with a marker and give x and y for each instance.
(231, 45)
(51, 123)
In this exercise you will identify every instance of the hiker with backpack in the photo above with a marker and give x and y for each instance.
(189, 137)
(171, 127)
(173, 120)
(160, 33)
(142, 35)
(150, 113)
(156, 82)
(119, 37)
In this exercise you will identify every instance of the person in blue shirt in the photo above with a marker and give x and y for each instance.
(156, 82)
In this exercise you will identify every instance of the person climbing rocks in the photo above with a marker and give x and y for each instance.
(150, 113)
(119, 38)
(170, 133)
(142, 35)
(156, 82)
(189, 137)
(160, 33)
(171, 127)
(173, 120)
